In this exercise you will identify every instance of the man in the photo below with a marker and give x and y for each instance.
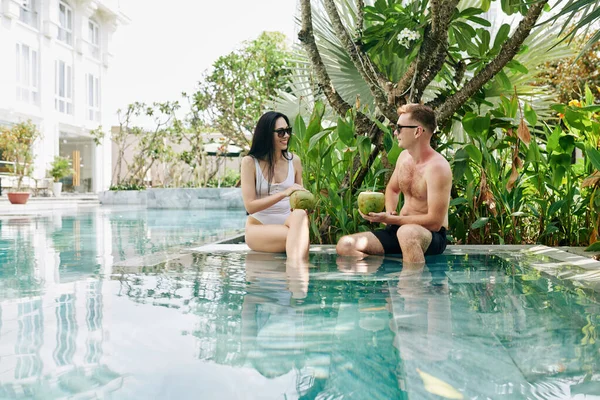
(424, 177)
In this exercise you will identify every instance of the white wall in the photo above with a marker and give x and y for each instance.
(44, 40)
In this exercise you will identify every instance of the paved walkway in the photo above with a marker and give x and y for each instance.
(37, 205)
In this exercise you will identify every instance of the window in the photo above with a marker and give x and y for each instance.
(65, 23)
(27, 74)
(93, 98)
(63, 101)
(94, 38)
(28, 13)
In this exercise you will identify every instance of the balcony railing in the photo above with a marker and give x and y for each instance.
(94, 50)
(29, 17)
(65, 36)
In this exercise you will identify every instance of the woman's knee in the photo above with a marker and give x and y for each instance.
(297, 217)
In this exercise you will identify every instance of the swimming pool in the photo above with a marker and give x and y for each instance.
(227, 324)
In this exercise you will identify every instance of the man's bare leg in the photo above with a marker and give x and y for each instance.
(414, 241)
(359, 245)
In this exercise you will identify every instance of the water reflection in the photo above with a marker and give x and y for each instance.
(235, 325)
(331, 336)
(52, 345)
(66, 247)
(55, 304)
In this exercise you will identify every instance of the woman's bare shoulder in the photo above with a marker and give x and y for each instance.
(247, 160)
(295, 158)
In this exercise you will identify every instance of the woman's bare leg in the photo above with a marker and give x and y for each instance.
(298, 240)
(291, 237)
(266, 238)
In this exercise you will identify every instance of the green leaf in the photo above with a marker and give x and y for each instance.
(466, 29)
(299, 127)
(517, 66)
(594, 156)
(593, 247)
(394, 153)
(388, 141)
(553, 140)
(475, 125)
(459, 169)
(364, 149)
(533, 153)
(481, 222)
(485, 5)
(589, 96)
(474, 153)
(345, 132)
(316, 138)
(314, 126)
(504, 81)
(469, 12)
(501, 36)
(554, 207)
(558, 176)
(562, 159)
(458, 201)
(530, 115)
(574, 119)
(480, 21)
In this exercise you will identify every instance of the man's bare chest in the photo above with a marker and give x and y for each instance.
(411, 180)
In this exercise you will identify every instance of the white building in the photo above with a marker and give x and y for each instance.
(54, 58)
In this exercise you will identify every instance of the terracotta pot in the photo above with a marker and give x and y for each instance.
(18, 197)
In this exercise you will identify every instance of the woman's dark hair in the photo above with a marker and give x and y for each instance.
(262, 142)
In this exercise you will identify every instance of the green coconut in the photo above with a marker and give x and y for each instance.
(303, 200)
(371, 202)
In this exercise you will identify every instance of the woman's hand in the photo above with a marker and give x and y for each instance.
(288, 192)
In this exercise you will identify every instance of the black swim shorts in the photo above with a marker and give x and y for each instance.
(390, 244)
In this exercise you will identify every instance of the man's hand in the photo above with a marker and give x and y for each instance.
(381, 217)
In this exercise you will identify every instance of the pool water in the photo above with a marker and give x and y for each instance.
(236, 325)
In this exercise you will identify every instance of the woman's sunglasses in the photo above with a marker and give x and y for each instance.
(281, 132)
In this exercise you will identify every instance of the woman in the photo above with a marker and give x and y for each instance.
(270, 174)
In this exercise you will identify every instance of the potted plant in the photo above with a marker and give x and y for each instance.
(59, 168)
(16, 143)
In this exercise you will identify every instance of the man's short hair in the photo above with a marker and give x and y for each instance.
(421, 114)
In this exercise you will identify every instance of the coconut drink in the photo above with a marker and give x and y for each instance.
(303, 200)
(371, 202)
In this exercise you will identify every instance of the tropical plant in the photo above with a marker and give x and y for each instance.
(60, 168)
(327, 154)
(128, 186)
(231, 179)
(570, 75)
(231, 97)
(511, 186)
(371, 57)
(147, 146)
(17, 145)
(575, 16)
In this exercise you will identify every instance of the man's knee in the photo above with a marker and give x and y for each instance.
(413, 236)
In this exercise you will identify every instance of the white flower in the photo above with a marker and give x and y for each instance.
(406, 36)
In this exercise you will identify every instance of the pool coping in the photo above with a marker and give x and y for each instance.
(564, 263)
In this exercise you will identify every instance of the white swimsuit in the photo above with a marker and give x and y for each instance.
(278, 212)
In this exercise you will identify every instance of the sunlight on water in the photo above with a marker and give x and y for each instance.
(253, 326)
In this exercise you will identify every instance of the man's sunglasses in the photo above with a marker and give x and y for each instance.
(281, 132)
(395, 127)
